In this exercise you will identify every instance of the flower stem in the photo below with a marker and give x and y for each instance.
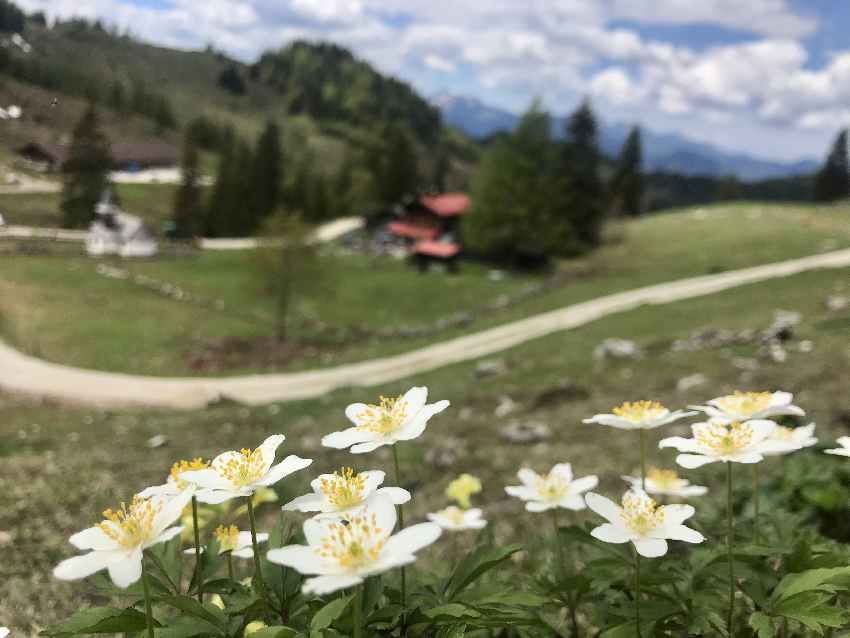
(284, 537)
(730, 530)
(643, 459)
(562, 571)
(637, 593)
(147, 589)
(258, 571)
(756, 473)
(230, 566)
(198, 564)
(400, 509)
(358, 611)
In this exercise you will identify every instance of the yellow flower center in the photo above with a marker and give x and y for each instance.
(640, 411)
(462, 488)
(552, 487)
(641, 514)
(725, 439)
(132, 525)
(353, 544)
(227, 537)
(344, 489)
(384, 418)
(245, 468)
(783, 433)
(664, 479)
(186, 466)
(744, 404)
(452, 514)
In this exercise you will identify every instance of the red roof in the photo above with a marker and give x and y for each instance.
(447, 204)
(442, 249)
(412, 230)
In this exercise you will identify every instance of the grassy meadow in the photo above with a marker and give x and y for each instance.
(101, 457)
(62, 310)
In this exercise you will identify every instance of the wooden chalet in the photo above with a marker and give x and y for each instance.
(430, 227)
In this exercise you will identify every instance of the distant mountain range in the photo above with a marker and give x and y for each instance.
(662, 151)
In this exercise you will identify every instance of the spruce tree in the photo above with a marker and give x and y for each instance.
(581, 165)
(832, 181)
(216, 221)
(188, 207)
(627, 183)
(395, 166)
(267, 174)
(86, 171)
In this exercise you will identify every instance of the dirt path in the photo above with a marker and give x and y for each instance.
(25, 374)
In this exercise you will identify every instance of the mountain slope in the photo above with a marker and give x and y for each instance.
(662, 151)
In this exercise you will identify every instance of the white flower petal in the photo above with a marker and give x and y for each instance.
(682, 533)
(583, 484)
(677, 514)
(692, 461)
(416, 426)
(287, 466)
(574, 502)
(680, 443)
(268, 449)
(762, 429)
(207, 478)
(354, 412)
(346, 438)
(301, 558)
(745, 457)
(322, 585)
(605, 507)
(650, 547)
(613, 421)
(245, 552)
(415, 398)
(216, 497)
(127, 570)
(539, 506)
(564, 470)
(411, 539)
(306, 503)
(171, 512)
(521, 491)
(527, 477)
(397, 495)
(166, 535)
(610, 533)
(373, 480)
(83, 566)
(93, 538)
(315, 529)
(369, 446)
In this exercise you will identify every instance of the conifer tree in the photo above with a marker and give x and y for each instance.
(582, 160)
(188, 206)
(86, 171)
(222, 198)
(627, 184)
(394, 165)
(267, 174)
(832, 181)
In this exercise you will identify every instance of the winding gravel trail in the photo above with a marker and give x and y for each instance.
(24, 374)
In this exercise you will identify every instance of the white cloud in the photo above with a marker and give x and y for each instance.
(615, 86)
(438, 63)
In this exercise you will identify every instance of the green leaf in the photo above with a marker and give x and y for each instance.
(452, 631)
(207, 612)
(518, 598)
(477, 564)
(814, 610)
(762, 625)
(275, 631)
(452, 610)
(811, 580)
(99, 620)
(187, 627)
(329, 613)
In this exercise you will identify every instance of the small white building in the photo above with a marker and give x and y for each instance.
(114, 232)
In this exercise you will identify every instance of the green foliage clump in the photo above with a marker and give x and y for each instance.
(832, 181)
(86, 171)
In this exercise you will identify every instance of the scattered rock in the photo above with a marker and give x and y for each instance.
(156, 441)
(525, 432)
(465, 413)
(447, 454)
(836, 303)
(613, 348)
(691, 381)
(782, 328)
(564, 391)
(745, 363)
(805, 346)
(490, 368)
(496, 275)
(505, 407)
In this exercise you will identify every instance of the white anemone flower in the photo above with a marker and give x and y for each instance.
(455, 519)
(743, 406)
(799, 438)
(844, 450)
(553, 490)
(117, 543)
(639, 415)
(174, 485)
(233, 474)
(343, 554)
(719, 440)
(666, 483)
(344, 492)
(642, 522)
(4, 631)
(392, 420)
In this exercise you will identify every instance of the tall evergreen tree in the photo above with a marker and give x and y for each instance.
(627, 184)
(582, 161)
(222, 198)
(86, 171)
(188, 205)
(833, 179)
(267, 174)
(394, 165)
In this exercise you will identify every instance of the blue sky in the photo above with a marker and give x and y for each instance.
(767, 77)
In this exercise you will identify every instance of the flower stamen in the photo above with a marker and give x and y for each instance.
(133, 525)
(639, 411)
(384, 418)
(641, 513)
(344, 489)
(355, 543)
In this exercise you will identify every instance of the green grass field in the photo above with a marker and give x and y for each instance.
(100, 457)
(63, 310)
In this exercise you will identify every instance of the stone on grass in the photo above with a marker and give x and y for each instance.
(525, 432)
(490, 368)
(613, 348)
(691, 381)
(565, 390)
(505, 407)
(835, 303)
(156, 441)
